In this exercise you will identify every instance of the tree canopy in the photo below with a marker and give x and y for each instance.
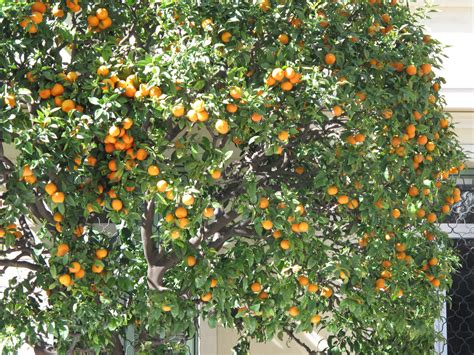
(271, 166)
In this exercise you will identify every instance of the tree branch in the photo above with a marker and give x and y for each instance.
(300, 342)
(18, 264)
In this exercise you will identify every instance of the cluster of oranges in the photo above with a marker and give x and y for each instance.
(130, 86)
(300, 226)
(287, 78)
(28, 175)
(52, 190)
(342, 199)
(76, 268)
(10, 229)
(36, 17)
(56, 91)
(100, 21)
(386, 275)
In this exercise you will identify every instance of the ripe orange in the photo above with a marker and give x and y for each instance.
(187, 200)
(231, 108)
(337, 111)
(330, 59)
(191, 260)
(278, 74)
(68, 105)
(303, 227)
(181, 212)
(97, 268)
(93, 21)
(80, 274)
(65, 280)
(36, 17)
(222, 126)
(431, 217)
(256, 287)
(283, 136)
(216, 174)
(102, 13)
(208, 212)
(267, 224)
(50, 188)
(263, 203)
(58, 197)
(411, 70)
(236, 92)
(101, 253)
(142, 154)
(400, 247)
(326, 292)
(413, 191)
(75, 267)
(313, 288)
(286, 86)
(226, 37)
(332, 190)
(343, 199)
(433, 261)
(45, 93)
(303, 280)
(166, 308)
(256, 117)
(178, 110)
(39, 7)
(63, 249)
(426, 68)
(380, 284)
(285, 244)
(103, 70)
(293, 311)
(206, 297)
(162, 185)
(395, 213)
(436, 283)
(117, 205)
(316, 319)
(283, 38)
(58, 217)
(175, 234)
(153, 170)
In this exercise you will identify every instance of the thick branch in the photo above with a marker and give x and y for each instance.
(146, 231)
(19, 264)
(300, 342)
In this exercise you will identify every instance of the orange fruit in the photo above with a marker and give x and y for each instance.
(337, 111)
(65, 280)
(431, 217)
(315, 319)
(426, 68)
(45, 93)
(191, 260)
(236, 92)
(222, 126)
(153, 170)
(263, 203)
(162, 185)
(285, 244)
(293, 311)
(283, 136)
(103, 70)
(101, 253)
(256, 117)
(58, 197)
(187, 200)
(166, 308)
(380, 284)
(39, 7)
(413, 191)
(303, 280)
(142, 154)
(343, 199)
(63, 249)
(411, 70)
(313, 288)
(330, 59)
(286, 86)
(181, 212)
(433, 262)
(105, 23)
(395, 213)
(57, 89)
(226, 37)
(75, 267)
(36, 17)
(206, 297)
(68, 105)
(283, 38)
(278, 74)
(208, 212)
(50, 188)
(93, 21)
(97, 268)
(256, 287)
(326, 292)
(102, 13)
(117, 205)
(436, 283)
(303, 227)
(267, 224)
(332, 190)
(80, 274)
(178, 110)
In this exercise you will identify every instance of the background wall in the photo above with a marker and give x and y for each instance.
(454, 26)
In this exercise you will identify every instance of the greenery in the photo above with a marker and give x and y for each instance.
(271, 166)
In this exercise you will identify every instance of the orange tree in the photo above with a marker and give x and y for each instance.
(271, 166)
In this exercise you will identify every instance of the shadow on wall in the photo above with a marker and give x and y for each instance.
(220, 341)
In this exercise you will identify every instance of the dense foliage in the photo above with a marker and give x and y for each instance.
(272, 166)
